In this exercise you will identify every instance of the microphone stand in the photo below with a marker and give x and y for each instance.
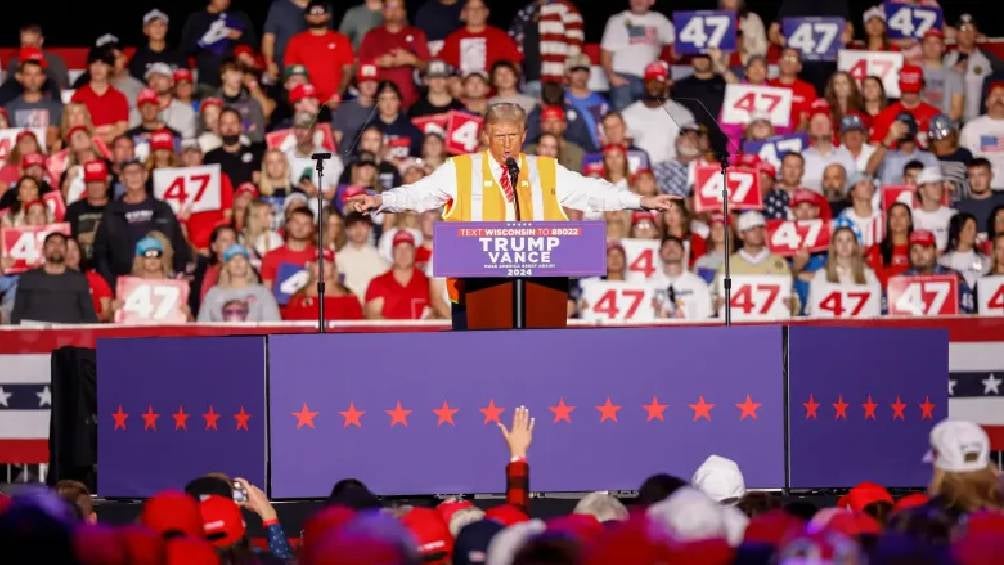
(519, 287)
(722, 154)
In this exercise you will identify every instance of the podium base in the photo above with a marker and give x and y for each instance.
(490, 304)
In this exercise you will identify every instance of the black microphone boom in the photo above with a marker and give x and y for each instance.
(513, 168)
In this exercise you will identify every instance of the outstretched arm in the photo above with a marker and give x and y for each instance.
(586, 193)
(517, 472)
(428, 193)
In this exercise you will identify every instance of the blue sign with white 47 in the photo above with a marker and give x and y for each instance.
(701, 30)
(817, 38)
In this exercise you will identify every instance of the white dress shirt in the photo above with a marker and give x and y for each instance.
(572, 190)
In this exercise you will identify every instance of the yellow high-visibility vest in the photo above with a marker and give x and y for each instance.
(480, 198)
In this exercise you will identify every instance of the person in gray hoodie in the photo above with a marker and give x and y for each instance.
(238, 296)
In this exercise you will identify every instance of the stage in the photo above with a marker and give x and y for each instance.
(798, 407)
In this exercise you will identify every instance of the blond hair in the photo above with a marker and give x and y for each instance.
(268, 185)
(968, 491)
(64, 124)
(225, 279)
(166, 258)
(857, 259)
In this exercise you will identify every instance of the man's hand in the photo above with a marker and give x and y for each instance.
(257, 501)
(616, 80)
(521, 434)
(364, 203)
(660, 202)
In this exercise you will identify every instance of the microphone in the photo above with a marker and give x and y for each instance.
(513, 167)
(321, 156)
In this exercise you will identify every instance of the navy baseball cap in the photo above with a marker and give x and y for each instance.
(940, 127)
(851, 122)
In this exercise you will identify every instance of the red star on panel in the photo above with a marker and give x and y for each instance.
(181, 419)
(444, 414)
(840, 408)
(305, 417)
(655, 411)
(352, 417)
(399, 415)
(608, 411)
(212, 418)
(492, 413)
(810, 408)
(927, 409)
(702, 409)
(241, 418)
(870, 406)
(748, 408)
(150, 418)
(562, 411)
(898, 409)
(120, 418)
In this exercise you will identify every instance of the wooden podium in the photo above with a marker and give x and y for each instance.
(514, 275)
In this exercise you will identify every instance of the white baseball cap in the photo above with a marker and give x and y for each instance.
(155, 14)
(719, 478)
(930, 174)
(874, 12)
(689, 515)
(958, 446)
(749, 220)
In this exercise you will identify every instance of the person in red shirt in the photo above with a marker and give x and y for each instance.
(108, 106)
(477, 46)
(397, 49)
(339, 302)
(911, 82)
(297, 249)
(327, 54)
(199, 225)
(802, 93)
(892, 256)
(402, 293)
(101, 293)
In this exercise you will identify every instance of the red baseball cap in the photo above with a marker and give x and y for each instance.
(75, 129)
(911, 79)
(142, 545)
(190, 551)
(402, 236)
(639, 172)
(247, 188)
(583, 527)
(934, 32)
(28, 133)
(819, 106)
(774, 527)
(593, 168)
(507, 514)
(747, 160)
(865, 493)
(367, 71)
(657, 70)
(32, 159)
(910, 501)
(432, 535)
(221, 520)
(146, 96)
(162, 139)
(34, 55)
(172, 511)
(552, 112)
(95, 171)
(182, 75)
(995, 84)
(803, 196)
(449, 508)
(640, 216)
(218, 102)
(95, 544)
(323, 524)
(302, 91)
(614, 146)
(922, 237)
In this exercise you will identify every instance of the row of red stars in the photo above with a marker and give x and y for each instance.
(562, 412)
(870, 407)
(211, 417)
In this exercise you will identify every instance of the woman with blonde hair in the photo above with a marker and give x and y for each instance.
(154, 256)
(162, 153)
(75, 115)
(258, 235)
(963, 480)
(274, 174)
(845, 266)
(238, 295)
(24, 143)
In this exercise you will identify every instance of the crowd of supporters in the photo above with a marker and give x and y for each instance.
(173, 182)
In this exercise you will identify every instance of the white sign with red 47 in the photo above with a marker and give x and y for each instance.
(786, 237)
(882, 64)
(22, 245)
(462, 132)
(758, 297)
(991, 294)
(192, 189)
(830, 300)
(151, 301)
(923, 295)
(744, 188)
(742, 100)
(610, 301)
(642, 257)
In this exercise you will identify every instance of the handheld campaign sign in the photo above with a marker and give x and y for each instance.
(818, 38)
(151, 301)
(772, 149)
(883, 64)
(8, 139)
(744, 188)
(285, 139)
(642, 258)
(991, 295)
(195, 189)
(830, 300)
(520, 249)
(923, 295)
(608, 301)
(462, 131)
(289, 279)
(742, 100)
(702, 30)
(758, 297)
(23, 244)
(786, 237)
(910, 21)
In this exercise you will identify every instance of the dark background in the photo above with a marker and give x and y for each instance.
(78, 23)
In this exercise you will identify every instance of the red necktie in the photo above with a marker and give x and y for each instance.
(506, 184)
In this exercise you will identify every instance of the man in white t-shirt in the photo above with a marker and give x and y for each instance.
(984, 136)
(654, 122)
(821, 151)
(631, 40)
(932, 215)
(359, 262)
(300, 160)
(678, 292)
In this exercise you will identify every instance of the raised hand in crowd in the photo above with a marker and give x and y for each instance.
(520, 435)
